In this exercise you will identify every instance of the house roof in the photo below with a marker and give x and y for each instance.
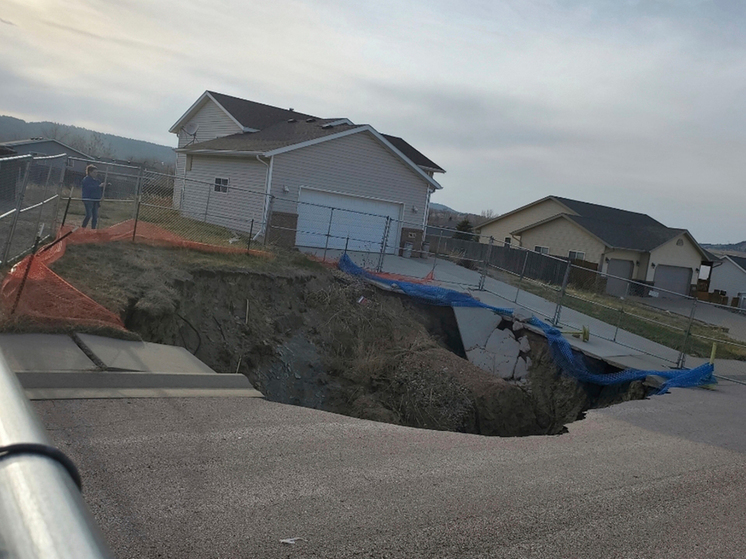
(739, 261)
(251, 114)
(413, 154)
(30, 141)
(608, 214)
(279, 135)
(256, 117)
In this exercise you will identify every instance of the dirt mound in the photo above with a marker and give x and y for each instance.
(310, 336)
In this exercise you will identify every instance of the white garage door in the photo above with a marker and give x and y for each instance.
(361, 220)
(672, 278)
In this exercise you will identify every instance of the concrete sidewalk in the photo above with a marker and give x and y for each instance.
(58, 366)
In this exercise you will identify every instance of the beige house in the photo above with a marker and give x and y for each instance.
(239, 161)
(623, 244)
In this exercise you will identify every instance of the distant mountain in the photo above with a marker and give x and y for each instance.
(441, 208)
(91, 142)
(727, 248)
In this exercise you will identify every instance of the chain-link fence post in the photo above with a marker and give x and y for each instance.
(43, 198)
(207, 203)
(328, 233)
(19, 203)
(138, 193)
(106, 182)
(621, 311)
(558, 308)
(251, 234)
(61, 185)
(520, 278)
(487, 254)
(681, 363)
(268, 225)
(384, 242)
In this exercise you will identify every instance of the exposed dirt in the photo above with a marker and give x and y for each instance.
(311, 336)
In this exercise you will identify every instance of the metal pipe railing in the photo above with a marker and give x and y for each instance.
(42, 513)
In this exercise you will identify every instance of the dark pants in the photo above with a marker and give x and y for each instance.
(91, 213)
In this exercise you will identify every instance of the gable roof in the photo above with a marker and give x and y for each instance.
(288, 136)
(413, 154)
(607, 213)
(739, 261)
(30, 141)
(256, 117)
(620, 235)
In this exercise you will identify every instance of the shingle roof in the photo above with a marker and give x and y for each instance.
(279, 135)
(634, 235)
(255, 115)
(260, 117)
(414, 155)
(740, 260)
(609, 214)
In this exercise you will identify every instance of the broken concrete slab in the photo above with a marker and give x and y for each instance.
(125, 355)
(475, 324)
(524, 345)
(521, 368)
(483, 359)
(504, 366)
(503, 344)
(43, 352)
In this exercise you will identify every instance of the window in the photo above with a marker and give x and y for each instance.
(507, 241)
(221, 185)
(577, 255)
(541, 250)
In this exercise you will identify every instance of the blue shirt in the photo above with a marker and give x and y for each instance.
(91, 188)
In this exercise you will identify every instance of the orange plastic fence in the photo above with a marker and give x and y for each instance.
(47, 298)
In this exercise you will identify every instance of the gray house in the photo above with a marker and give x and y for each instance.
(233, 153)
(48, 146)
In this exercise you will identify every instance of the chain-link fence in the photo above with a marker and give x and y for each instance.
(677, 328)
(29, 198)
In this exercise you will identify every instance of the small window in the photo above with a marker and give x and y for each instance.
(507, 241)
(680, 243)
(541, 250)
(221, 185)
(577, 255)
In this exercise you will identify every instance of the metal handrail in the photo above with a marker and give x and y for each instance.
(42, 513)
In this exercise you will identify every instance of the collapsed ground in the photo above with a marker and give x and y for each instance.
(307, 335)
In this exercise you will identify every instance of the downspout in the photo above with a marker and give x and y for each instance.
(268, 189)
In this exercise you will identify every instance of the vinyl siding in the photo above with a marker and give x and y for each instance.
(357, 165)
(729, 278)
(502, 227)
(686, 256)
(561, 237)
(213, 123)
(236, 208)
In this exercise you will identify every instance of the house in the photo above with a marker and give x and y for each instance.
(728, 275)
(233, 153)
(49, 146)
(623, 244)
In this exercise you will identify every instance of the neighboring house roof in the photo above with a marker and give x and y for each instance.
(739, 261)
(30, 141)
(608, 214)
(6, 151)
(257, 117)
(620, 235)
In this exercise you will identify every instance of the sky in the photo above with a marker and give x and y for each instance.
(630, 103)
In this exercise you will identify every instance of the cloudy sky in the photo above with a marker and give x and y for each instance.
(631, 103)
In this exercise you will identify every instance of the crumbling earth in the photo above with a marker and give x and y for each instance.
(307, 335)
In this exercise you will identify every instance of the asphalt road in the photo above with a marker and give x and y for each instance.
(231, 477)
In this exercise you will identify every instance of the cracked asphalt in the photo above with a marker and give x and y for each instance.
(231, 477)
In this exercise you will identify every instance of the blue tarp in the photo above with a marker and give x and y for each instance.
(569, 362)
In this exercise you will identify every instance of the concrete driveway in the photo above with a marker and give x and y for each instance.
(211, 477)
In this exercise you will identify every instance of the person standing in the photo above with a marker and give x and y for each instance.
(92, 194)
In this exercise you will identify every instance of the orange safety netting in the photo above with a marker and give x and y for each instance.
(46, 297)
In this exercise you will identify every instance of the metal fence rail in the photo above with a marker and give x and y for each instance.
(42, 513)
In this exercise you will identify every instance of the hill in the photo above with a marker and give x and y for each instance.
(727, 248)
(94, 143)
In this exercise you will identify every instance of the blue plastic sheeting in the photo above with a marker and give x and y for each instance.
(569, 362)
(427, 293)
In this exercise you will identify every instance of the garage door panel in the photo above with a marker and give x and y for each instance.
(672, 278)
(620, 269)
(360, 220)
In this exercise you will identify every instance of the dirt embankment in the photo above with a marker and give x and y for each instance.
(309, 336)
